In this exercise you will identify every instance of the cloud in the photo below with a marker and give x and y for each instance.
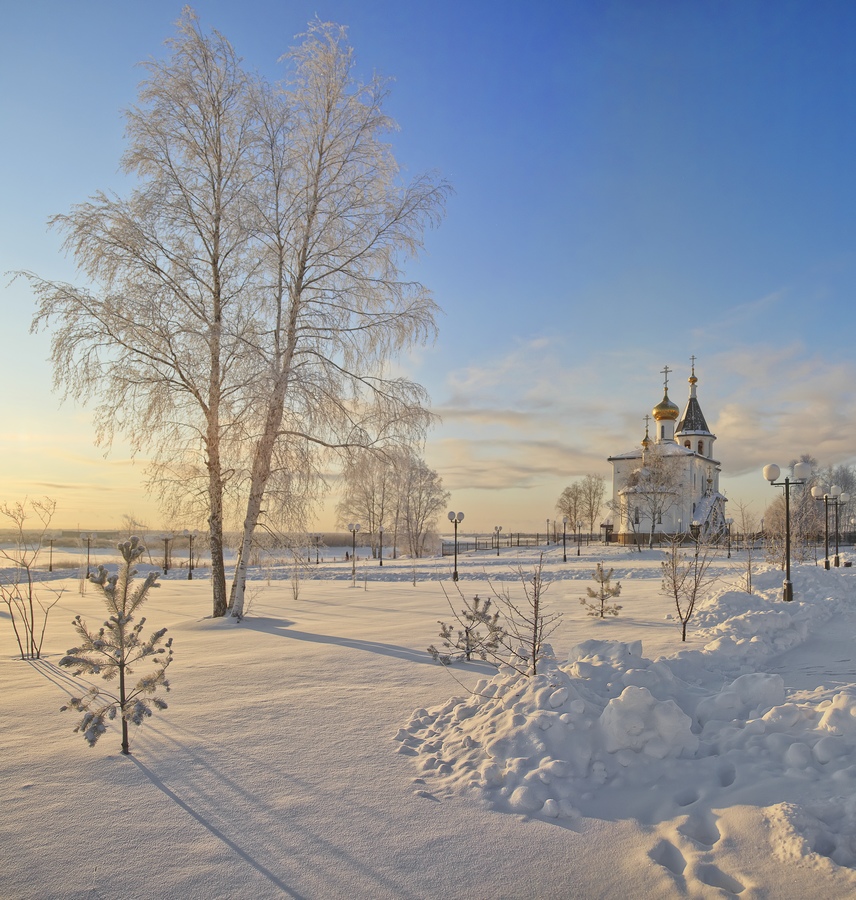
(530, 419)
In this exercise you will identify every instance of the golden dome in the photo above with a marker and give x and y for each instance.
(665, 409)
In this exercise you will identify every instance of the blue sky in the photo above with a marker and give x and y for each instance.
(635, 183)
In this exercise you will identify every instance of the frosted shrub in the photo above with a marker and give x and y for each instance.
(479, 633)
(115, 648)
(27, 606)
(596, 603)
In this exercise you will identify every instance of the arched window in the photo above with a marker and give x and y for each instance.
(636, 516)
(701, 448)
(688, 445)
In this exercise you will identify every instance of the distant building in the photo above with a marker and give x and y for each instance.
(671, 482)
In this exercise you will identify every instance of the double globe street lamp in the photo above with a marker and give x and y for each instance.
(801, 474)
(456, 519)
(496, 531)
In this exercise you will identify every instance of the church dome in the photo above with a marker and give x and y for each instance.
(665, 409)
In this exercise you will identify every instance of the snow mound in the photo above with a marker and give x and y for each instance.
(594, 735)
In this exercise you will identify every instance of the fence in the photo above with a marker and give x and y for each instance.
(474, 543)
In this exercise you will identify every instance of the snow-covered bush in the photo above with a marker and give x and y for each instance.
(114, 648)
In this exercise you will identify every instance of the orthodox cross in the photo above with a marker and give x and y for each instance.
(692, 360)
(665, 370)
(647, 420)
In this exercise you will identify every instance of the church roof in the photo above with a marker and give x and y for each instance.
(667, 448)
(693, 419)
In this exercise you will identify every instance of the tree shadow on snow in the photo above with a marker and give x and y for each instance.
(282, 628)
(235, 848)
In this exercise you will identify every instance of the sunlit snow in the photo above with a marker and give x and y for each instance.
(316, 750)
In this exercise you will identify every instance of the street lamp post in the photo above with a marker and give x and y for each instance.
(548, 532)
(564, 538)
(728, 524)
(190, 535)
(456, 519)
(802, 472)
(579, 536)
(842, 497)
(819, 493)
(50, 556)
(496, 530)
(354, 528)
(89, 539)
(317, 549)
(380, 543)
(166, 539)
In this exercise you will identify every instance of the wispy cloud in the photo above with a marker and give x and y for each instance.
(530, 422)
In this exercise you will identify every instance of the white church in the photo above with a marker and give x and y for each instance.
(670, 485)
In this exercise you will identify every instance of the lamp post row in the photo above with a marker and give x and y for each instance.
(836, 497)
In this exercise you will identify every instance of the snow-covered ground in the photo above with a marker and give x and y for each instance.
(315, 750)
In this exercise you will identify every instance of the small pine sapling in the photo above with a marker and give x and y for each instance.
(479, 633)
(114, 648)
(596, 603)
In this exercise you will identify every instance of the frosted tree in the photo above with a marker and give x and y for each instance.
(115, 649)
(686, 576)
(336, 225)
(747, 526)
(421, 500)
(370, 494)
(527, 623)
(246, 300)
(571, 503)
(478, 632)
(159, 339)
(654, 487)
(28, 602)
(593, 489)
(597, 603)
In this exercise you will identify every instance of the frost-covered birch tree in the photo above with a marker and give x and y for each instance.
(422, 499)
(336, 308)
(158, 336)
(245, 301)
(369, 493)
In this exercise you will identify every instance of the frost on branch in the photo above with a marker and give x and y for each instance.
(113, 650)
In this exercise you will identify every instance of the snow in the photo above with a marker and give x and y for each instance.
(316, 750)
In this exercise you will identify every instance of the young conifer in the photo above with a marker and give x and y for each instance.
(597, 603)
(114, 648)
(480, 633)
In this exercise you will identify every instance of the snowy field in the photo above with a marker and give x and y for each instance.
(316, 751)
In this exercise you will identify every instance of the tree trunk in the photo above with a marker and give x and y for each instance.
(215, 525)
(258, 484)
